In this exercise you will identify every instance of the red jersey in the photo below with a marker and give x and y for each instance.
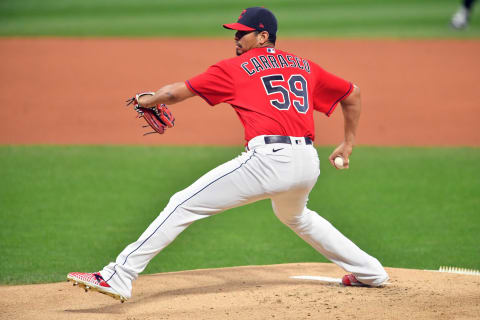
(272, 91)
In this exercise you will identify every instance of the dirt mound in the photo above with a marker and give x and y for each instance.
(255, 292)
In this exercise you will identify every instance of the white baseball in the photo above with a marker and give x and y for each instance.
(338, 162)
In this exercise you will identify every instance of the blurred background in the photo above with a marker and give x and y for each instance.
(316, 18)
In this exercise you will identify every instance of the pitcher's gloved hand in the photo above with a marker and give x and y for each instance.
(158, 117)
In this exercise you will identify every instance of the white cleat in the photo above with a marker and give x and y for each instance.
(460, 18)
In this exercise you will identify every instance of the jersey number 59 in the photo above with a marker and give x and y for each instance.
(296, 84)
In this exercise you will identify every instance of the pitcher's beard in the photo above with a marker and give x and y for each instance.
(238, 50)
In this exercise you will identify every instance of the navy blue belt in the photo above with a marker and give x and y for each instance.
(283, 139)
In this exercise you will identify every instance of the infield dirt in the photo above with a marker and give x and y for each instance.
(255, 292)
(72, 91)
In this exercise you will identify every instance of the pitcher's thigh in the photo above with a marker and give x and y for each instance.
(229, 185)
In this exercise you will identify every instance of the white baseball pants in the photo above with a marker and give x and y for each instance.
(285, 173)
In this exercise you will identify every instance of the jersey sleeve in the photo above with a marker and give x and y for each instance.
(329, 91)
(214, 85)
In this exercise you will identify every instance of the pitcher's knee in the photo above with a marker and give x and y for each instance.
(182, 202)
(294, 223)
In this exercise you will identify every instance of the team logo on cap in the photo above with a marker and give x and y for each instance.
(261, 25)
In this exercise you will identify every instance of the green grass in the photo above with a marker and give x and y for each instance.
(74, 208)
(305, 18)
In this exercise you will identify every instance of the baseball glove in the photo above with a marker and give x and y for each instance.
(159, 117)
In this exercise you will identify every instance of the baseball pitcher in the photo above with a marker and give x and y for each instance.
(274, 94)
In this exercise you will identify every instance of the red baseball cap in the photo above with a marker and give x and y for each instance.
(255, 18)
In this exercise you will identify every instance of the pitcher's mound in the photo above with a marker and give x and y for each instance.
(255, 292)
